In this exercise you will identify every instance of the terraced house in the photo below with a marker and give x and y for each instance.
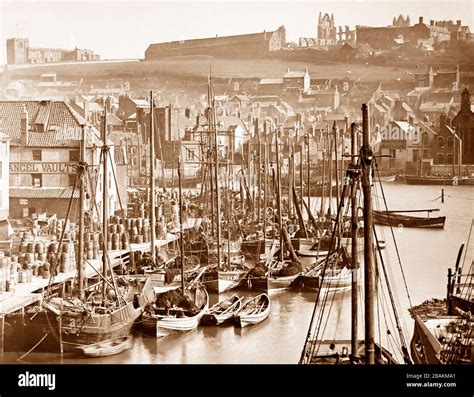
(45, 139)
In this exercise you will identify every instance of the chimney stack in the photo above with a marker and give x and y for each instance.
(24, 126)
(420, 20)
(458, 22)
(432, 22)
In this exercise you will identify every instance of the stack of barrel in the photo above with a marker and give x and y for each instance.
(5, 263)
(92, 244)
(36, 257)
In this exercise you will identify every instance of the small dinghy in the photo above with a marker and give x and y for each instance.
(222, 312)
(253, 311)
(108, 347)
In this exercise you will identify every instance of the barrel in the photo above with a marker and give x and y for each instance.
(46, 270)
(30, 247)
(115, 241)
(53, 247)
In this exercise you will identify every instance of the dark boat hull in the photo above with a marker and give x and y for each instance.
(427, 180)
(393, 219)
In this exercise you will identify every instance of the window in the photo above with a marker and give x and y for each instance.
(416, 155)
(449, 142)
(189, 154)
(36, 180)
(449, 159)
(440, 158)
(426, 153)
(37, 155)
(440, 141)
(74, 155)
(425, 138)
(72, 180)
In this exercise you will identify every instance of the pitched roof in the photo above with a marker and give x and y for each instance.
(270, 81)
(42, 192)
(61, 123)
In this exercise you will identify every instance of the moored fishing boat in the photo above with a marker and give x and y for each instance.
(222, 312)
(175, 313)
(395, 219)
(309, 257)
(255, 247)
(253, 311)
(221, 280)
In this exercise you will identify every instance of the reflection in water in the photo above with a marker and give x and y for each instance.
(425, 255)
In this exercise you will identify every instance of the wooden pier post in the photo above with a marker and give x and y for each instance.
(442, 195)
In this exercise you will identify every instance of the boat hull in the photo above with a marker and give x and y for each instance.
(254, 248)
(221, 281)
(274, 284)
(246, 318)
(393, 219)
(164, 325)
(107, 348)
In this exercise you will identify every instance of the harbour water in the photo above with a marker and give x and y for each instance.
(425, 256)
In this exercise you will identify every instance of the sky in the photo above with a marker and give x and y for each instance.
(124, 29)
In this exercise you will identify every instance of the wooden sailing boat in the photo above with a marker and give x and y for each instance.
(104, 311)
(320, 351)
(443, 331)
(279, 274)
(226, 274)
(177, 311)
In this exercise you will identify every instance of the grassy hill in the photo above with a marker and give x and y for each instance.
(199, 67)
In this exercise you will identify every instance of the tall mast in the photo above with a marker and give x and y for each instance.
(323, 176)
(105, 202)
(280, 225)
(354, 230)
(181, 242)
(216, 174)
(259, 170)
(307, 140)
(152, 178)
(264, 181)
(82, 172)
(330, 171)
(369, 274)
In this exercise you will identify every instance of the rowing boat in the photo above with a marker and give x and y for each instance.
(106, 348)
(253, 311)
(222, 312)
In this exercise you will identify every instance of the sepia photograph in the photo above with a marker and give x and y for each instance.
(237, 182)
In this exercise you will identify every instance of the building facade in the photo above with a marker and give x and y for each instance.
(390, 36)
(463, 124)
(20, 52)
(242, 46)
(44, 157)
(326, 32)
